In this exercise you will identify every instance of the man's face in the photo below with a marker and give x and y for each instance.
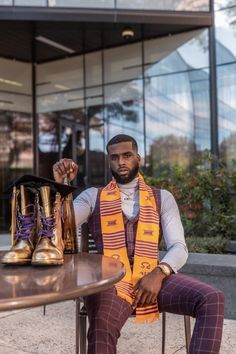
(124, 161)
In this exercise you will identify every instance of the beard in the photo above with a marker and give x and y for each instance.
(123, 180)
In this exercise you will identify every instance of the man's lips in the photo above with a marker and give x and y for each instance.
(123, 171)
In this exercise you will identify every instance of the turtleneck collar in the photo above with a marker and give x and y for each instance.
(131, 185)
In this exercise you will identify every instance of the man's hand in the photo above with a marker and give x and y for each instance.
(148, 288)
(64, 168)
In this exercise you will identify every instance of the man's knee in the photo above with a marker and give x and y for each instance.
(214, 296)
(213, 300)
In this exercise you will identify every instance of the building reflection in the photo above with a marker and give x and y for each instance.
(157, 91)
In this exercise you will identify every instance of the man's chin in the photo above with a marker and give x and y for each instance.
(123, 179)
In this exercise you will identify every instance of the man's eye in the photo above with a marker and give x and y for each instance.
(127, 156)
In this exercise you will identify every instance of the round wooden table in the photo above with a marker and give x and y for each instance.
(81, 274)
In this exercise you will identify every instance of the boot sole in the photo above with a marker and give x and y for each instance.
(18, 262)
(46, 263)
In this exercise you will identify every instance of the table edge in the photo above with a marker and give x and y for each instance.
(47, 298)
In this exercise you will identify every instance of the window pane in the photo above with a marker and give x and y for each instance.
(226, 82)
(61, 101)
(177, 5)
(60, 108)
(94, 105)
(82, 3)
(16, 137)
(48, 142)
(6, 2)
(93, 68)
(221, 4)
(124, 111)
(177, 99)
(60, 86)
(30, 3)
(123, 63)
(95, 116)
(60, 76)
(96, 155)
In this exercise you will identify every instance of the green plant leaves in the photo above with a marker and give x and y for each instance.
(207, 201)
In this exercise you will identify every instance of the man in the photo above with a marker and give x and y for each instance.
(125, 219)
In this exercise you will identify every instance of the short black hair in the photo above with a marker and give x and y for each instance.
(121, 138)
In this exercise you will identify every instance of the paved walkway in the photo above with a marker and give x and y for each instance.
(29, 331)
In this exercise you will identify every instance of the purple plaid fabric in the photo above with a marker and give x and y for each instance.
(179, 294)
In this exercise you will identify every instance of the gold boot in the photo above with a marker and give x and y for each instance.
(24, 227)
(50, 246)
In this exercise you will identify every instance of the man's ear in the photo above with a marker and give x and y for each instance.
(139, 157)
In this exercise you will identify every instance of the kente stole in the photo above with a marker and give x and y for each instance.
(146, 245)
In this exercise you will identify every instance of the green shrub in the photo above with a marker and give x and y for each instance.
(206, 198)
(206, 244)
(203, 244)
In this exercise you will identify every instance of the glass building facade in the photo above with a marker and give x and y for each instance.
(225, 25)
(175, 5)
(159, 89)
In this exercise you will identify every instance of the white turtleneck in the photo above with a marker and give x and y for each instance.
(172, 228)
(129, 195)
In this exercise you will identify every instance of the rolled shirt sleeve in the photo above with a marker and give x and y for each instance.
(173, 232)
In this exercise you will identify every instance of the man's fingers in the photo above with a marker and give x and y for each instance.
(137, 297)
(143, 299)
(148, 300)
(57, 168)
(74, 167)
(136, 286)
(65, 166)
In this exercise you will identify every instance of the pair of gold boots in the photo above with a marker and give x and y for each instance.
(36, 227)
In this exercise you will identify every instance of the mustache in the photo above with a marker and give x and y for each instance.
(123, 180)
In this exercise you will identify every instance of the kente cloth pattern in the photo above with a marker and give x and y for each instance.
(146, 246)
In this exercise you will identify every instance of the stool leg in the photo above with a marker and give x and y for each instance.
(163, 333)
(83, 333)
(187, 328)
(77, 327)
(44, 310)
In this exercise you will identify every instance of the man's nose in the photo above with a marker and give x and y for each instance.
(121, 160)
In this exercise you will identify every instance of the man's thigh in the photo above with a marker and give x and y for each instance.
(107, 308)
(180, 294)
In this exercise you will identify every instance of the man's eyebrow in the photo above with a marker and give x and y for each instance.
(123, 153)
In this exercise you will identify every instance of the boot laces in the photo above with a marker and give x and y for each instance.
(47, 226)
(26, 224)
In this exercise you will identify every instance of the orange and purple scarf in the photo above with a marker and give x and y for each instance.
(146, 246)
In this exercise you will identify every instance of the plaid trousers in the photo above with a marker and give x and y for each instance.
(179, 294)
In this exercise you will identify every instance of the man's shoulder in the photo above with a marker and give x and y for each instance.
(163, 192)
(164, 195)
(89, 191)
(87, 194)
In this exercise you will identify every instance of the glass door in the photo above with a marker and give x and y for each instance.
(72, 146)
